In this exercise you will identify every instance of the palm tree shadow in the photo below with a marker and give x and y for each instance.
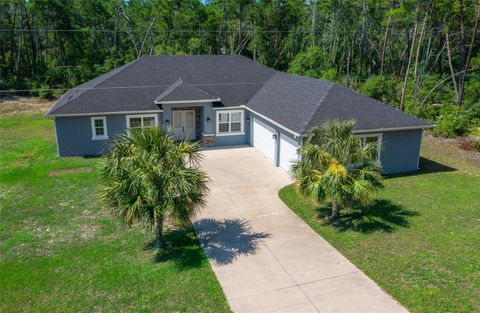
(382, 215)
(224, 241)
(182, 248)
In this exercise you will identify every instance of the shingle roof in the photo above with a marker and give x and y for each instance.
(135, 86)
(183, 91)
(296, 102)
(300, 103)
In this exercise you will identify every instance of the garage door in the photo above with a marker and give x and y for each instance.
(288, 152)
(263, 139)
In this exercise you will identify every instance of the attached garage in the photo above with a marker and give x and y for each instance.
(264, 139)
(288, 151)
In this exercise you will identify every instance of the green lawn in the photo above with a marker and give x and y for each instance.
(421, 239)
(59, 252)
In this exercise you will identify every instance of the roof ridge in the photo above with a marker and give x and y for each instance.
(319, 104)
(105, 76)
(169, 90)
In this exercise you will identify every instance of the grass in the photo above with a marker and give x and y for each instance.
(420, 240)
(59, 252)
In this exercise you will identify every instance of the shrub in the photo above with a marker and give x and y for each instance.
(470, 144)
(451, 123)
(45, 91)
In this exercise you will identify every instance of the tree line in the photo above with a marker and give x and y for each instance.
(421, 56)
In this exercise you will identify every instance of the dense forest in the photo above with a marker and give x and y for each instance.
(421, 56)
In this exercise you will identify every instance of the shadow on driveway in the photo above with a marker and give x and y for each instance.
(224, 241)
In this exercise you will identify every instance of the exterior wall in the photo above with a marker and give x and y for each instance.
(231, 140)
(206, 127)
(277, 129)
(400, 151)
(74, 134)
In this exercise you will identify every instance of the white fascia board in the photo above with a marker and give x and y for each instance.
(376, 130)
(187, 101)
(273, 122)
(105, 113)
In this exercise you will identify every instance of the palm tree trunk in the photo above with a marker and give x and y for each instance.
(159, 231)
(335, 211)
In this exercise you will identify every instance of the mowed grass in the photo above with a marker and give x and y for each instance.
(60, 252)
(421, 239)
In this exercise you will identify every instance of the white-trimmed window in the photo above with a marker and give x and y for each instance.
(142, 121)
(230, 122)
(99, 128)
(373, 138)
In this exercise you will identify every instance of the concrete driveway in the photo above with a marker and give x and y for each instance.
(264, 256)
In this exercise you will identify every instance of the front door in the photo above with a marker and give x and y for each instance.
(184, 124)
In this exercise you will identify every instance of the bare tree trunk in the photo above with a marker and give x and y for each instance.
(405, 82)
(385, 39)
(159, 231)
(147, 34)
(335, 211)
(313, 5)
(467, 58)
(450, 64)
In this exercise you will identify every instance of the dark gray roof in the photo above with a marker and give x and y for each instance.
(296, 102)
(299, 103)
(135, 86)
(181, 91)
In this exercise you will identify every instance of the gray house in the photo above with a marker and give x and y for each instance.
(226, 101)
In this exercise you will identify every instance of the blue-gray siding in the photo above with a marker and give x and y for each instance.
(400, 151)
(74, 134)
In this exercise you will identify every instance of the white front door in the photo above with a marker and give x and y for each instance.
(183, 124)
(264, 139)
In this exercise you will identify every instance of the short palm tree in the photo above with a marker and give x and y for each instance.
(148, 177)
(338, 167)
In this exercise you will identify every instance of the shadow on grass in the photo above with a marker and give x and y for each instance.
(182, 248)
(427, 166)
(382, 215)
(226, 240)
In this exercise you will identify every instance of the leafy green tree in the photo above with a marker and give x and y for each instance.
(338, 167)
(149, 177)
(313, 63)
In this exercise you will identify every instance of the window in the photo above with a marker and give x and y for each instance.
(230, 122)
(142, 121)
(373, 138)
(99, 128)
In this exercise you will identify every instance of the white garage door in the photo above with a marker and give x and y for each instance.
(288, 151)
(263, 139)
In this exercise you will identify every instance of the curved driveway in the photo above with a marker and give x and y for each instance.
(265, 257)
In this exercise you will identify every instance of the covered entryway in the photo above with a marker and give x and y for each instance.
(183, 124)
(264, 139)
(265, 257)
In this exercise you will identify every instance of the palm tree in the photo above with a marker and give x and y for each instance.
(148, 177)
(338, 167)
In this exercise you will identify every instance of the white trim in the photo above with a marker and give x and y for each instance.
(187, 101)
(94, 133)
(242, 123)
(229, 108)
(391, 129)
(230, 134)
(273, 122)
(379, 142)
(419, 151)
(56, 136)
(104, 113)
(141, 116)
